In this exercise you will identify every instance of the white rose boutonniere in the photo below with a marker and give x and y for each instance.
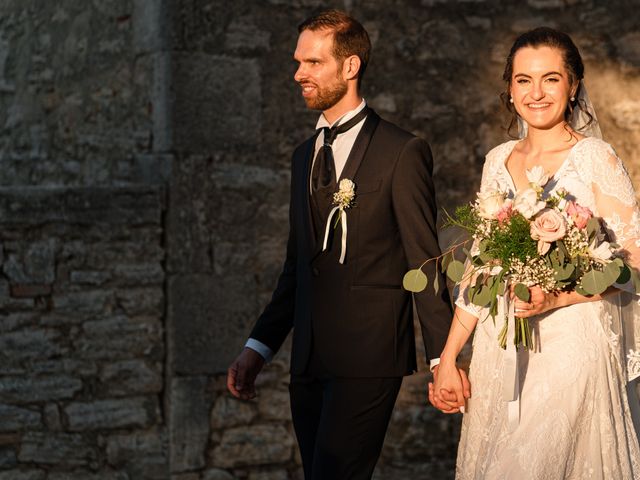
(343, 199)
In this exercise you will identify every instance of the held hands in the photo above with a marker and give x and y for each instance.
(242, 373)
(539, 302)
(450, 388)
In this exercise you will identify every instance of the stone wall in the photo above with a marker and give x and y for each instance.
(145, 157)
(81, 333)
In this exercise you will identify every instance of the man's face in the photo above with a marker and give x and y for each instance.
(319, 73)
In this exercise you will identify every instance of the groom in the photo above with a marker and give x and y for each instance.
(341, 285)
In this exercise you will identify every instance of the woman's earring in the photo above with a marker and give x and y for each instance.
(573, 99)
(511, 99)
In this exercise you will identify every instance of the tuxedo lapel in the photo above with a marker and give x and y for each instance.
(307, 162)
(360, 147)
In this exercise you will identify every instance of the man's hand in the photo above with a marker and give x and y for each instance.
(241, 376)
(452, 391)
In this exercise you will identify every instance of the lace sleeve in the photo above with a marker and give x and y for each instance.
(616, 203)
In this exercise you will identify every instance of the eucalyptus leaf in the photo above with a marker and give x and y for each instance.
(562, 251)
(593, 227)
(415, 281)
(582, 291)
(522, 292)
(611, 273)
(594, 282)
(436, 283)
(625, 274)
(446, 259)
(562, 273)
(455, 270)
(482, 297)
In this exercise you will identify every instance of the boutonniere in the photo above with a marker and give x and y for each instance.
(343, 199)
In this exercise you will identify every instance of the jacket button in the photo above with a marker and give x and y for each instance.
(315, 272)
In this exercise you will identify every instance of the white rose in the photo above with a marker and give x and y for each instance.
(601, 252)
(537, 176)
(490, 203)
(527, 203)
(346, 186)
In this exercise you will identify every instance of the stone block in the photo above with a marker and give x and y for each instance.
(137, 301)
(215, 90)
(7, 458)
(243, 35)
(189, 423)
(84, 206)
(112, 414)
(70, 366)
(119, 337)
(628, 48)
(31, 344)
(88, 475)
(33, 265)
(216, 474)
(30, 291)
(15, 419)
(52, 417)
(626, 114)
(209, 314)
(253, 446)
(145, 455)
(89, 277)
(138, 274)
(130, 377)
(40, 389)
(87, 301)
(60, 449)
(274, 404)
(22, 475)
(230, 412)
(278, 474)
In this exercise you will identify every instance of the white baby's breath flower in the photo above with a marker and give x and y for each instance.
(527, 203)
(537, 176)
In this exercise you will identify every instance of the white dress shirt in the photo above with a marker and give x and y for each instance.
(341, 148)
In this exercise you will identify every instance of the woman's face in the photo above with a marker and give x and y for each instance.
(540, 86)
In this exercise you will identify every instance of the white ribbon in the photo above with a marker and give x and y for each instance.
(511, 380)
(343, 221)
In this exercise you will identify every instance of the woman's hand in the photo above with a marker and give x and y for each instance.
(539, 302)
(450, 388)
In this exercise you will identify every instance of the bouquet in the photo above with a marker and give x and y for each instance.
(549, 241)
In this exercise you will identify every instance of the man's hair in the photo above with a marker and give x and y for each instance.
(349, 36)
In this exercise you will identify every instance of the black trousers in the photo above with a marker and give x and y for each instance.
(340, 423)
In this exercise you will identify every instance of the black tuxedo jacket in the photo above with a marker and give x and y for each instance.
(356, 317)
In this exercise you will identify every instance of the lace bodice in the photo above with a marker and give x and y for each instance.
(594, 176)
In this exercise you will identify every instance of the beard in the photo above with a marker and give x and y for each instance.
(328, 96)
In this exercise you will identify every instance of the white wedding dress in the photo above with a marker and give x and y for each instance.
(575, 419)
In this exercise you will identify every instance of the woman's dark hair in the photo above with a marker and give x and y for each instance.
(546, 37)
(349, 36)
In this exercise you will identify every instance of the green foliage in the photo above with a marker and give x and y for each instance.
(464, 217)
(415, 281)
(512, 240)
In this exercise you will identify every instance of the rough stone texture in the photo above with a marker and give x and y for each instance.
(253, 446)
(144, 185)
(189, 423)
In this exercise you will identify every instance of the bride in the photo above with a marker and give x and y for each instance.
(570, 416)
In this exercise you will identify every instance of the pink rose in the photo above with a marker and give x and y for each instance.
(547, 227)
(579, 214)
